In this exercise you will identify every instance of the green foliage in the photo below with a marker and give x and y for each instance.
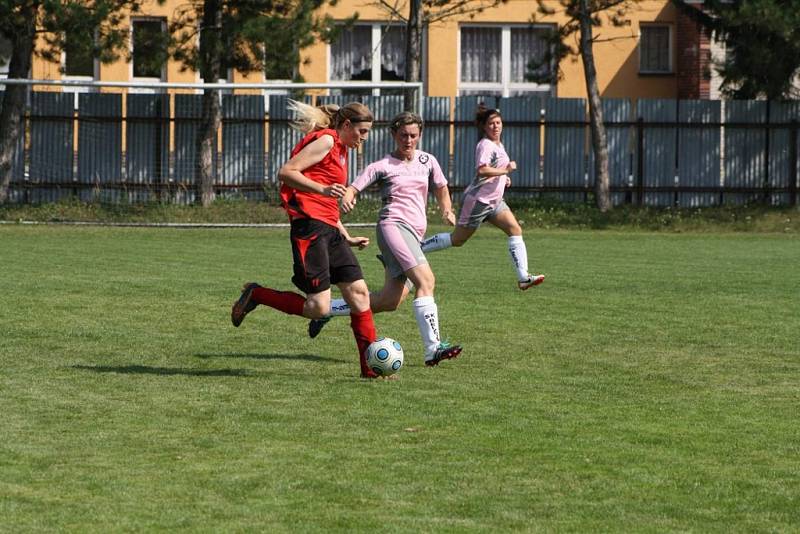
(762, 38)
(92, 29)
(260, 35)
(650, 384)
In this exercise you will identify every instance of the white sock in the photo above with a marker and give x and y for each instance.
(519, 256)
(436, 242)
(427, 315)
(339, 307)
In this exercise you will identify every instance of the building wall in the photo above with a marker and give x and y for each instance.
(616, 52)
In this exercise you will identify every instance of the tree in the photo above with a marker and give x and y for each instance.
(582, 17)
(762, 41)
(246, 35)
(422, 13)
(89, 26)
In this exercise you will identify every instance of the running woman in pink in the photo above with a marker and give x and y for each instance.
(483, 199)
(403, 177)
(314, 180)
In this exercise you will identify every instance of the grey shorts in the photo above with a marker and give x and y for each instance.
(400, 247)
(474, 212)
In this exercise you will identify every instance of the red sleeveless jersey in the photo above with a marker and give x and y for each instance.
(331, 170)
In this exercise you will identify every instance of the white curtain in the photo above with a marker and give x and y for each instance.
(393, 51)
(351, 54)
(480, 54)
(526, 44)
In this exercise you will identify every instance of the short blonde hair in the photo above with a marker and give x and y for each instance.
(309, 118)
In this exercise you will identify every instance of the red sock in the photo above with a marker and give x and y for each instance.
(364, 332)
(284, 301)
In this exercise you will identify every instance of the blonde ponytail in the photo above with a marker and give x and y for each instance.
(309, 118)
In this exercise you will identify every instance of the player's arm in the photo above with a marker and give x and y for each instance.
(359, 241)
(442, 195)
(362, 181)
(349, 199)
(487, 171)
(292, 171)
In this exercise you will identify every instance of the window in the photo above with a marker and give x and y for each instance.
(77, 61)
(149, 48)
(369, 52)
(225, 70)
(5, 56)
(495, 60)
(655, 49)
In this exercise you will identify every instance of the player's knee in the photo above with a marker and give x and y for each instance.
(315, 310)
(357, 295)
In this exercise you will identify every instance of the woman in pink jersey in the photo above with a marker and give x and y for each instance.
(313, 181)
(483, 199)
(403, 177)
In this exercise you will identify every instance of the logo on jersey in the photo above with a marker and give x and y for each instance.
(423, 158)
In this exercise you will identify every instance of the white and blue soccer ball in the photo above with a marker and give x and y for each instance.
(385, 356)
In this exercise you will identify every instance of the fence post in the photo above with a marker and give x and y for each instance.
(793, 163)
(766, 157)
(640, 161)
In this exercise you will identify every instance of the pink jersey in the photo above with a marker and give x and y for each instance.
(489, 190)
(404, 187)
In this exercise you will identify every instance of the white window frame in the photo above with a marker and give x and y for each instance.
(375, 45)
(163, 76)
(670, 45)
(504, 86)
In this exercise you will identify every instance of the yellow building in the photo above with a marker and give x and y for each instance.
(486, 54)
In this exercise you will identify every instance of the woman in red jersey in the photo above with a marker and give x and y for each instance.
(313, 181)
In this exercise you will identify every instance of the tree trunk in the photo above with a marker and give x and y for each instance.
(598, 129)
(13, 102)
(206, 148)
(413, 47)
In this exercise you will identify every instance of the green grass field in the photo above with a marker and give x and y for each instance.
(652, 383)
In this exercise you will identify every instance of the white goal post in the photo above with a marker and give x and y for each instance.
(269, 88)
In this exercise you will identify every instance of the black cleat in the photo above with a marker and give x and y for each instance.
(315, 326)
(244, 305)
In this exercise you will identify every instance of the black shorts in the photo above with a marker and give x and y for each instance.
(321, 256)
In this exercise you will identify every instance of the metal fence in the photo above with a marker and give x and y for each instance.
(141, 147)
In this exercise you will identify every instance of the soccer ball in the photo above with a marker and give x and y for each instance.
(385, 356)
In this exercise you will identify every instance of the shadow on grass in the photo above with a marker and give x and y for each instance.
(164, 371)
(304, 357)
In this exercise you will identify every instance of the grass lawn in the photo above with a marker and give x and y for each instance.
(651, 383)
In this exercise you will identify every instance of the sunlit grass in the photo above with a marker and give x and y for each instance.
(651, 383)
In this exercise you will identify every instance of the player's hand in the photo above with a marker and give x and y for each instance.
(512, 166)
(334, 190)
(348, 201)
(449, 217)
(360, 242)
